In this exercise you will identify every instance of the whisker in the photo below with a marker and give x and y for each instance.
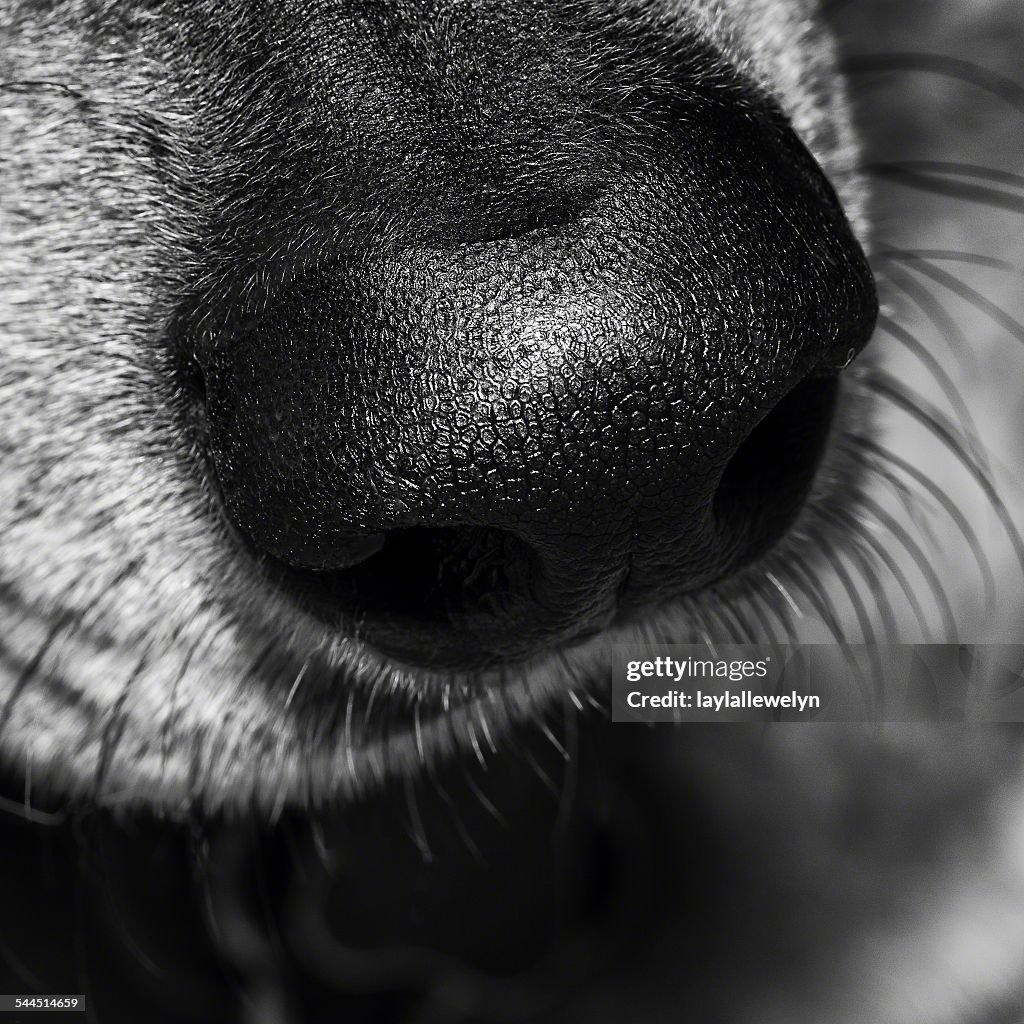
(485, 728)
(741, 612)
(697, 615)
(866, 537)
(28, 673)
(26, 812)
(968, 294)
(944, 381)
(819, 600)
(722, 611)
(417, 720)
(950, 255)
(115, 725)
(933, 420)
(350, 757)
(761, 605)
(469, 843)
(953, 168)
(786, 596)
(418, 830)
(992, 197)
(945, 502)
(485, 801)
(863, 552)
(173, 709)
(811, 587)
(553, 740)
(756, 606)
(860, 611)
(943, 321)
(474, 742)
(546, 781)
(918, 556)
(984, 78)
(851, 590)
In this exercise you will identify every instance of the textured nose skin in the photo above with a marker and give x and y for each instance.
(580, 386)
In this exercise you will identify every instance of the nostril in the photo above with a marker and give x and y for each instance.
(426, 588)
(441, 573)
(768, 478)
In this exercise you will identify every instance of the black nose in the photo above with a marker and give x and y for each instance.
(549, 393)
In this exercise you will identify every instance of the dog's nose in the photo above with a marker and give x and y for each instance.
(530, 409)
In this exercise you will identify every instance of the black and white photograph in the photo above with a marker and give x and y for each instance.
(512, 511)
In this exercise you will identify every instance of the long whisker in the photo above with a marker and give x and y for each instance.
(851, 590)
(30, 669)
(999, 85)
(734, 630)
(923, 182)
(920, 559)
(944, 381)
(968, 294)
(938, 424)
(881, 552)
(953, 168)
(758, 608)
(863, 552)
(950, 255)
(786, 596)
(943, 321)
(884, 456)
(823, 605)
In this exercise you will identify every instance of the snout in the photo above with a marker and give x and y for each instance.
(550, 394)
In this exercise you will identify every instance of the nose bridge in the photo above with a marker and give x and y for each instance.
(438, 95)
